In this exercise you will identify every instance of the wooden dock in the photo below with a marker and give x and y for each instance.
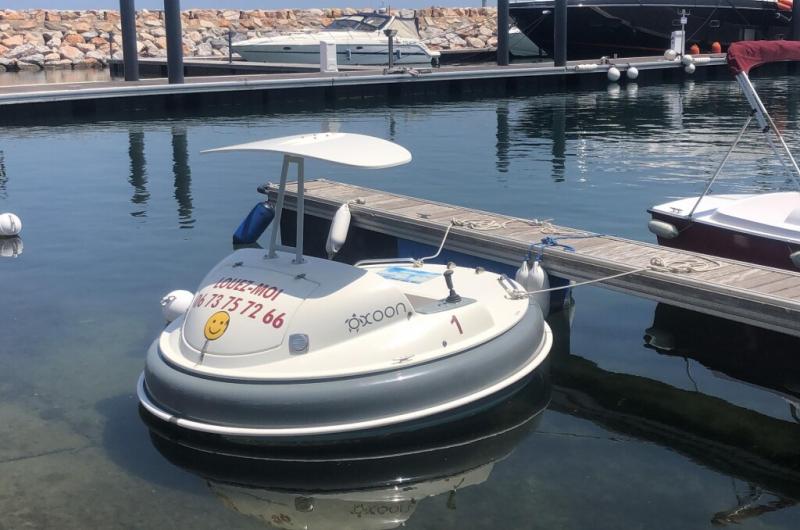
(29, 102)
(753, 294)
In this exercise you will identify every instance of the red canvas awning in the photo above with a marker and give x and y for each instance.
(744, 55)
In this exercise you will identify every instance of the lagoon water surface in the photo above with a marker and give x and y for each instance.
(652, 417)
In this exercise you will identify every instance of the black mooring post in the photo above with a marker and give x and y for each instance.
(172, 21)
(502, 32)
(130, 58)
(796, 21)
(560, 33)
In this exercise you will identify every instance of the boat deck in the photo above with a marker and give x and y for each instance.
(753, 294)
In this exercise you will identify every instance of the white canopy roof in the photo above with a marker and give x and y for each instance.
(356, 150)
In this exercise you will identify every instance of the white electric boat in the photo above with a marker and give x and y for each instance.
(279, 344)
(360, 40)
(762, 228)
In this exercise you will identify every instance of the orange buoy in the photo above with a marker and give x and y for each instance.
(716, 47)
(694, 49)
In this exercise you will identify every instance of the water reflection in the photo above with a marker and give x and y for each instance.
(10, 247)
(3, 177)
(374, 484)
(753, 449)
(502, 135)
(138, 176)
(755, 356)
(183, 176)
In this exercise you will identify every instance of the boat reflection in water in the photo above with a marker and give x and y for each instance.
(375, 483)
(756, 356)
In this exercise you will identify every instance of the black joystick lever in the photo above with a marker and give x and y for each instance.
(453, 297)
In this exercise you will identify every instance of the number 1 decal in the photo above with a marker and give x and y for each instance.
(455, 321)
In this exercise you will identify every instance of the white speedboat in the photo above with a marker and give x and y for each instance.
(360, 40)
(762, 228)
(279, 344)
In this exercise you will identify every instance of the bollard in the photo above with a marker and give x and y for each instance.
(502, 32)
(560, 33)
(130, 57)
(172, 22)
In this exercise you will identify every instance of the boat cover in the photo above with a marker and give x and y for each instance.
(744, 55)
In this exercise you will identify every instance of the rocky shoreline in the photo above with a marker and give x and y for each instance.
(37, 38)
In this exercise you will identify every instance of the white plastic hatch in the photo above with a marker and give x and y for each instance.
(348, 149)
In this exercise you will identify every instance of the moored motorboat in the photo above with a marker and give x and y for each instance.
(759, 228)
(283, 345)
(360, 40)
(629, 28)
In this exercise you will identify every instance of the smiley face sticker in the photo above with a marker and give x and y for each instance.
(216, 325)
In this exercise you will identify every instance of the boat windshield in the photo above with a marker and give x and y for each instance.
(357, 23)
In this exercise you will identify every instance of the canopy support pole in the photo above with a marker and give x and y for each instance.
(765, 120)
(301, 214)
(276, 225)
(722, 164)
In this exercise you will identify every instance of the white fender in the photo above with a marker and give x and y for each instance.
(613, 74)
(538, 280)
(338, 232)
(663, 229)
(795, 257)
(176, 303)
(522, 274)
(10, 225)
(10, 247)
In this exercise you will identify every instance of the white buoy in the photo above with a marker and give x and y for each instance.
(689, 68)
(613, 74)
(538, 280)
(687, 60)
(632, 72)
(10, 247)
(10, 225)
(176, 303)
(670, 55)
(338, 232)
(522, 274)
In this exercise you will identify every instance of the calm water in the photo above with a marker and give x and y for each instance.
(693, 426)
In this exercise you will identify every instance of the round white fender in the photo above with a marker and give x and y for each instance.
(632, 72)
(613, 74)
(689, 68)
(670, 55)
(663, 229)
(338, 232)
(10, 225)
(176, 303)
(538, 280)
(795, 257)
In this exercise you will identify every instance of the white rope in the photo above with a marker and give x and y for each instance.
(657, 264)
(482, 225)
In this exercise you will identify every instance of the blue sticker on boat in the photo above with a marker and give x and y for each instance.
(404, 274)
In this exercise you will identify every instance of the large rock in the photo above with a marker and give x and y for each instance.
(13, 41)
(73, 39)
(3, 50)
(21, 51)
(205, 50)
(2, 68)
(36, 58)
(24, 66)
(71, 53)
(475, 42)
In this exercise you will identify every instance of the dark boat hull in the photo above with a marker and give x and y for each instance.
(625, 28)
(717, 241)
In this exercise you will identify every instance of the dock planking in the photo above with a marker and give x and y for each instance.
(744, 292)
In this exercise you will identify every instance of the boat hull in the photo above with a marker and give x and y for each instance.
(346, 54)
(310, 408)
(628, 29)
(718, 241)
